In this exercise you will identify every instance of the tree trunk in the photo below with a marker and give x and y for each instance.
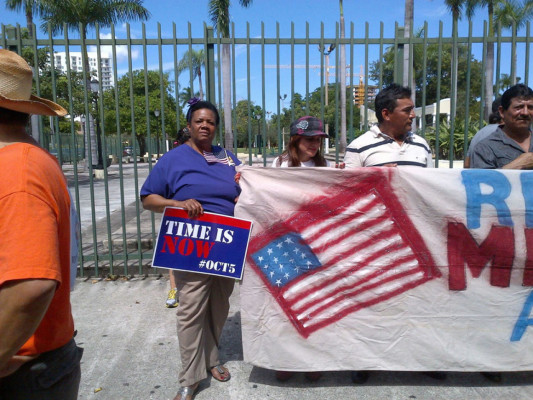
(226, 84)
(408, 23)
(29, 21)
(141, 139)
(199, 73)
(513, 61)
(489, 76)
(455, 65)
(343, 142)
(407, 62)
(91, 140)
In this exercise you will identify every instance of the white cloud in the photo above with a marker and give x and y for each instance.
(121, 50)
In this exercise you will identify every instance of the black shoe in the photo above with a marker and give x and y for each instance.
(439, 376)
(495, 377)
(359, 377)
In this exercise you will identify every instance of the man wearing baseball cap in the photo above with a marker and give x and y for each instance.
(39, 358)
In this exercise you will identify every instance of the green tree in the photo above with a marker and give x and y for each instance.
(89, 13)
(185, 95)
(513, 14)
(242, 108)
(505, 82)
(431, 75)
(219, 14)
(471, 6)
(30, 8)
(456, 8)
(141, 118)
(55, 79)
(193, 60)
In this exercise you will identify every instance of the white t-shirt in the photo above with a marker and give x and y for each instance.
(285, 163)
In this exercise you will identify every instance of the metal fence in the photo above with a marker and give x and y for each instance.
(136, 108)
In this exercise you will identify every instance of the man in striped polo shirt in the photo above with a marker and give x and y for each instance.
(391, 143)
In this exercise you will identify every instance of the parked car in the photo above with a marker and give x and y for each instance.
(128, 151)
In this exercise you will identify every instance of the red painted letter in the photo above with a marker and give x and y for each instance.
(497, 248)
(169, 243)
(203, 247)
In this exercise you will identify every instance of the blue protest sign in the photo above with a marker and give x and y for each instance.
(210, 244)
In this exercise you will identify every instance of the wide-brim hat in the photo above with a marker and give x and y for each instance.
(16, 79)
(308, 126)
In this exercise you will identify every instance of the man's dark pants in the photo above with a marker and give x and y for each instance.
(53, 375)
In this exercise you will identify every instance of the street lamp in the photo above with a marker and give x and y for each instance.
(157, 113)
(95, 89)
(282, 98)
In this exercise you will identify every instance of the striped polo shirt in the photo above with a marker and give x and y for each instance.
(374, 148)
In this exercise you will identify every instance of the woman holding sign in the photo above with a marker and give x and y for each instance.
(197, 177)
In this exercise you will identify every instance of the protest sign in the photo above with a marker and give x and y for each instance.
(210, 244)
(388, 268)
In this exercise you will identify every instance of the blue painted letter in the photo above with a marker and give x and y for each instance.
(472, 180)
(526, 178)
(523, 321)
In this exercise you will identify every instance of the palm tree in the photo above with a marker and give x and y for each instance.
(505, 82)
(343, 143)
(408, 24)
(407, 62)
(219, 14)
(456, 7)
(471, 5)
(513, 14)
(193, 60)
(185, 95)
(31, 7)
(89, 13)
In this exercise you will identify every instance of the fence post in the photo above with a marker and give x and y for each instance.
(11, 34)
(210, 65)
(398, 68)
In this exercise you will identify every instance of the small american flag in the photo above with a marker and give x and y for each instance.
(341, 253)
(218, 155)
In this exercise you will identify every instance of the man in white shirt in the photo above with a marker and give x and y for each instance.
(391, 143)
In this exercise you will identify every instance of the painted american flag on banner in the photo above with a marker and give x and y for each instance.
(340, 253)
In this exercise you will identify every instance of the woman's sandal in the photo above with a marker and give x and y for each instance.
(222, 372)
(186, 392)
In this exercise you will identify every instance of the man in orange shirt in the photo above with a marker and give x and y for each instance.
(38, 356)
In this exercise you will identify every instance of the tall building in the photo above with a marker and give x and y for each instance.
(76, 64)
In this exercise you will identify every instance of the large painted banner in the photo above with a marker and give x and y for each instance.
(388, 268)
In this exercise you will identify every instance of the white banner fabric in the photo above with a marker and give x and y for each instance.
(388, 269)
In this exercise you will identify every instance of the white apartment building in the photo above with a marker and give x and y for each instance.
(76, 64)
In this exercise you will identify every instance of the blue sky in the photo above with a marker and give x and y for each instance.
(284, 12)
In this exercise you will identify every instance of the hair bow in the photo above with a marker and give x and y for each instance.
(193, 101)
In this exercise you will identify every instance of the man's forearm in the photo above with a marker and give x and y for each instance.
(24, 304)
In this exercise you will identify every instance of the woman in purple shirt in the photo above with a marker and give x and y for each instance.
(197, 177)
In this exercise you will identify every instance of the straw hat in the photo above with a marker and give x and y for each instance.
(15, 88)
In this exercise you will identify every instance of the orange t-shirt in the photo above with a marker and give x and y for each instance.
(35, 235)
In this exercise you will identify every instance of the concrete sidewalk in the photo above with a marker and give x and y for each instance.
(131, 352)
